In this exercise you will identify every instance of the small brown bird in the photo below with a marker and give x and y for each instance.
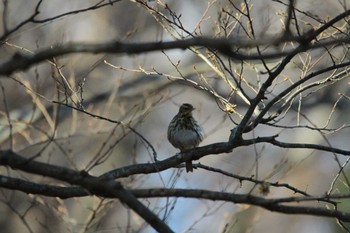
(184, 132)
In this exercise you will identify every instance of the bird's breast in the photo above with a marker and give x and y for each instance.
(186, 139)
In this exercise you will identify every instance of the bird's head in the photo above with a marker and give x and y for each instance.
(186, 109)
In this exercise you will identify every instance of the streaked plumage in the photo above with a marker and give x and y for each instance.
(184, 132)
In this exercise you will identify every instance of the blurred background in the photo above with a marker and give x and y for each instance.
(145, 91)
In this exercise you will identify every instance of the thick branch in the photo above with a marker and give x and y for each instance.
(272, 204)
(94, 185)
(23, 61)
(225, 46)
(110, 188)
(42, 189)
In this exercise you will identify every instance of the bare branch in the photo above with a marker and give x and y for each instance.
(32, 18)
(225, 46)
(274, 205)
(94, 185)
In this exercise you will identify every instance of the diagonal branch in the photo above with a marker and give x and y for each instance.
(94, 185)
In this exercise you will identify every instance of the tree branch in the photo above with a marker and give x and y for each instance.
(109, 190)
(94, 185)
(270, 204)
(21, 61)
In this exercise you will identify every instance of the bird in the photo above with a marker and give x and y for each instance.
(184, 132)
